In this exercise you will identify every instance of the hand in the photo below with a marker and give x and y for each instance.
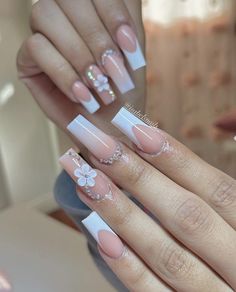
(194, 246)
(68, 38)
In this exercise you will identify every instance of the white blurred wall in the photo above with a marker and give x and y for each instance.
(28, 164)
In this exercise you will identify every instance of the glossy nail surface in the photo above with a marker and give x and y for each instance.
(84, 96)
(101, 84)
(89, 180)
(101, 145)
(130, 46)
(115, 68)
(108, 241)
(148, 139)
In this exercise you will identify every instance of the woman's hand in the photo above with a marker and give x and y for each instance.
(74, 45)
(194, 246)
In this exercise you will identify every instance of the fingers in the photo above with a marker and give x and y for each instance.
(47, 18)
(119, 23)
(99, 41)
(134, 274)
(165, 257)
(181, 165)
(185, 215)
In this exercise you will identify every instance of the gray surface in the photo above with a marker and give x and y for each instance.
(40, 254)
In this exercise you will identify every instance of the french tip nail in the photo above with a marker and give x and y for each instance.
(94, 223)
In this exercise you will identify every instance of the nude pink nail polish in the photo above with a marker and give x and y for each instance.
(101, 145)
(85, 97)
(130, 46)
(90, 181)
(100, 84)
(115, 68)
(148, 139)
(108, 241)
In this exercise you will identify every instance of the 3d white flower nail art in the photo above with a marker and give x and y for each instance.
(101, 83)
(85, 175)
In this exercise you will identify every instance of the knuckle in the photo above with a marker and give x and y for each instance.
(224, 194)
(193, 216)
(138, 174)
(138, 279)
(175, 261)
(124, 216)
(33, 42)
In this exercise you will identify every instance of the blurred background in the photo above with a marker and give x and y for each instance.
(191, 52)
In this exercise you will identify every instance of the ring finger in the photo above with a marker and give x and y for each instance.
(99, 41)
(177, 266)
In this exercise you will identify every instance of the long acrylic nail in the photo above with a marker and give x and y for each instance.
(108, 241)
(148, 139)
(85, 97)
(102, 146)
(130, 46)
(100, 83)
(91, 183)
(115, 67)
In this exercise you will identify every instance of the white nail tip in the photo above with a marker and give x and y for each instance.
(125, 121)
(91, 106)
(79, 125)
(94, 224)
(136, 59)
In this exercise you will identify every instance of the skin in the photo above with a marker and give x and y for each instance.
(183, 253)
(194, 248)
(57, 53)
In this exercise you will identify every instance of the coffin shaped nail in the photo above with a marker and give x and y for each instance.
(130, 46)
(85, 97)
(108, 241)
(101, 145)
(91, 183)
(115, 68)
(101, 84)
(148, 139)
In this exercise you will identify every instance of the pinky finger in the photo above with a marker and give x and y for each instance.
(127, 266)
(46, 57)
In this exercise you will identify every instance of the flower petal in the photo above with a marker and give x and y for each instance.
(105, 79)
(92, 173)
(91, 182)
(77, 172)
(100, 88)
(96, 83)
(106, 87)
(100, 78)
(85, 169)
(82, 181)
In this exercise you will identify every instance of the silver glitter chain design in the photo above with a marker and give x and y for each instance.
(116, 156)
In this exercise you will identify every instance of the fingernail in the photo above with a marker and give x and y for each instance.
(91, 183)
(100, 83)
(108, 241)
(115, 67)
(130, 46)
(101, 145)
(85, 97)
(148, 139)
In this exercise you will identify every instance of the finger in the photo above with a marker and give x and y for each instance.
(119, 23)
(165, 257)
(48, 19)
(98, 40)
(181, 165)
(45, 58)
(134, 274)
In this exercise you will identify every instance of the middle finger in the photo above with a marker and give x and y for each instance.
(184, 214)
